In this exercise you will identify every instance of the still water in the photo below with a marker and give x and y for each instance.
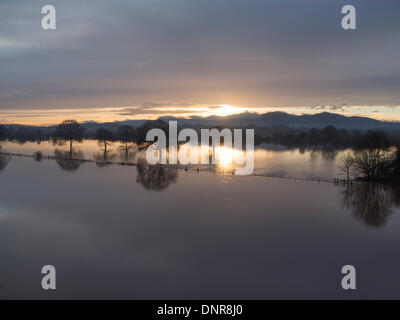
(270, 160)
(142, 232)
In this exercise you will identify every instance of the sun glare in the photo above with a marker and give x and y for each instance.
(224, 156)
(226, 110)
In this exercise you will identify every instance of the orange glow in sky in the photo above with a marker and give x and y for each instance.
(55, 116)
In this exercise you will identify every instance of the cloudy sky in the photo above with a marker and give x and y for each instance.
(113, 60)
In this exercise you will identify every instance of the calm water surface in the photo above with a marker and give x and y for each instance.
(270, 160)
(144, 232)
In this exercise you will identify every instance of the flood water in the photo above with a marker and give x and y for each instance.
(143, 232)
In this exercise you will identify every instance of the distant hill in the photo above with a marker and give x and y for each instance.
(322, 120)
(271, 119)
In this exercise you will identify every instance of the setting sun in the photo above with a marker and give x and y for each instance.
(225, 110)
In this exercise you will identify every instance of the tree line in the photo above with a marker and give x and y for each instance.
(326, 138)
(71, 131)
(375, 155)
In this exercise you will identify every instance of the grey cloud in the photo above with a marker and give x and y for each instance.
(136, 112)
(165, 104)
(275, 52)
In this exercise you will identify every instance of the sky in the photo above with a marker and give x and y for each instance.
(141, 59)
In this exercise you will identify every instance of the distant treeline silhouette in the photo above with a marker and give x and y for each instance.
(374, 155)
(326, 138)
(23, 134)
(71, 131)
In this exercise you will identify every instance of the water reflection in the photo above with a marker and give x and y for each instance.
(128, 152)
(326, 155)
(155, 177)
(68, 160)
(269, 158)
(103, 158)
(4, 160)
(329, 155)
(38, 156)
(371, 203)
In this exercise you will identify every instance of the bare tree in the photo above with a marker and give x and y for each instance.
(374, 164)
(346, 164)
(374, 159)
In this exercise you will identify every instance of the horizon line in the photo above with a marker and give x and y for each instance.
(191, 117)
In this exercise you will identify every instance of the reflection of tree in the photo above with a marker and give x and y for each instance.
(127, 135)
(314, 155)
(38, 156)
(155, 177)
(103, 158)
(4, 160)
(68, 160)
(329, 155)
(104, 138)
(372, 203)
(128, 154)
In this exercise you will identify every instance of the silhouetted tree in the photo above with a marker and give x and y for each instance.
(126, 134)
(314, 137)
(373, 139)
(346, 164)
(3, 133)
(329, 135)
(141, 132)
(396, 163)
(374, 164)
(373, 159)
(104, 137)
(69, 130)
